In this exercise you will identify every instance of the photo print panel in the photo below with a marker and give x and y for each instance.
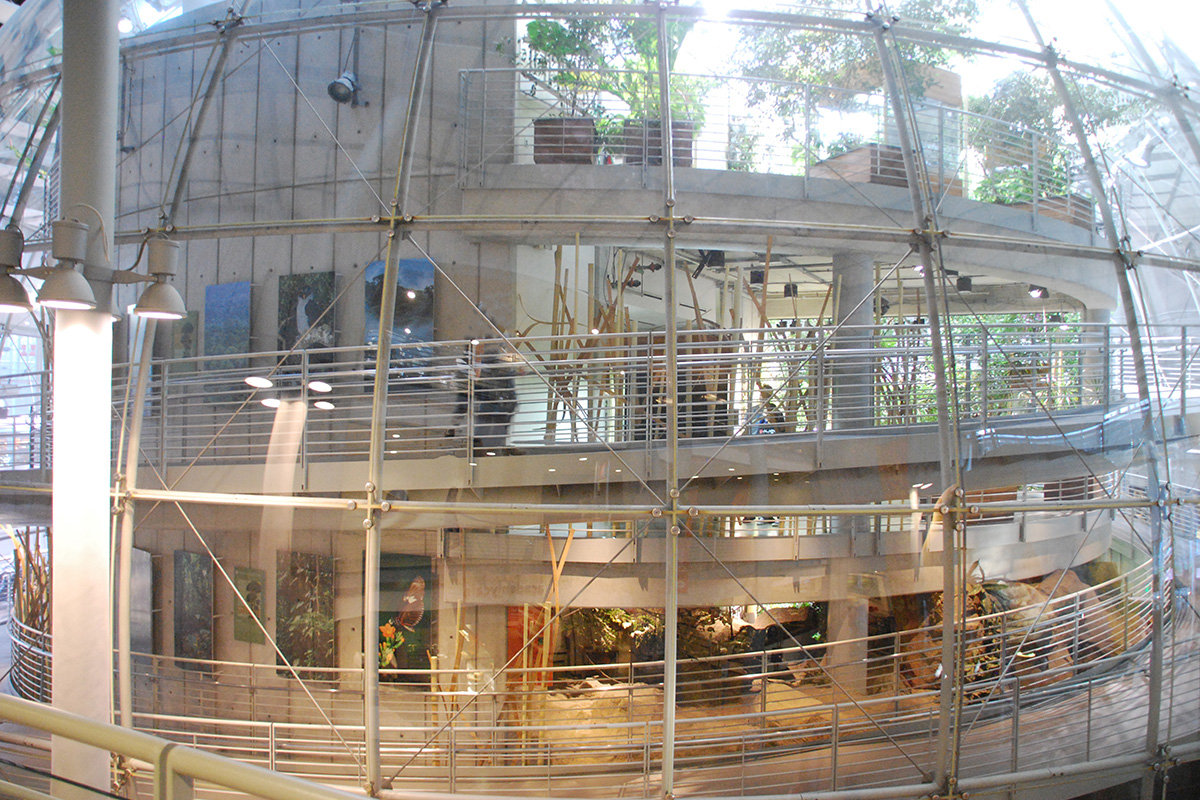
(306, 314)
(414, 301)
(304, 629)
(249, 583)
(227, 323)
(405, 616)
(193, 609)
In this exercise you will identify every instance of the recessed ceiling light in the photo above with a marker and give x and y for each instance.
(731, 469)
(583, 458)
(271, 402)
(552, 469)
(320, 387)
(259, 382)
(490, 453)
(411, 294)
(324, 405)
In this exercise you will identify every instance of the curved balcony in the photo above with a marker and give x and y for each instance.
(760, 721)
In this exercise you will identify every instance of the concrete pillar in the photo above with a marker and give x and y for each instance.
(1094, 361)
(82, 447)
(851, 390)
(848, 662)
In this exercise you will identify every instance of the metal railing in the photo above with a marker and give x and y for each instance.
(756, 716)
(464, 399)
(474, 400)
(521, 116)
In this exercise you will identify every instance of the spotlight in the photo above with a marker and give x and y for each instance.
(319, 386)
(259, 382)
(324, 405)
(13, 298)
(64, 288)
(345, 88)
(1038, 292)
(161, 300)
(963, 283)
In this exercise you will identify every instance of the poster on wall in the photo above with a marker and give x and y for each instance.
(249, 583)
(405, 621)
(193, 609)
(414, 301)
(306, 313)
(227, 323)
(304, 629)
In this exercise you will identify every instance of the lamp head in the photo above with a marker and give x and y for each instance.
(160, 300)
(13, 298)
(67, 289)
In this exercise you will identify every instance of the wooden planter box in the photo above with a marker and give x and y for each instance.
(641, 141)
(878, 163)
(564, 140)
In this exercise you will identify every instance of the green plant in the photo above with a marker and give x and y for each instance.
(608, 66)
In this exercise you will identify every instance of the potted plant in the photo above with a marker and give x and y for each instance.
(602, 76)
(556, 58)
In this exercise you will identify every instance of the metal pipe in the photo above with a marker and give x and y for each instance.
(31, 174)
(671, 612)
(1123, 263)
(227, 32)
(944, 770)
(383, 355)
(783, 231)
(125, 553)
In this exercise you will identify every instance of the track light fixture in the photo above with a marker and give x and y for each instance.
(1038, 292)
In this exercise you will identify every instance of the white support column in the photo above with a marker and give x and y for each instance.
(851, 396)
(81, 622)
(847, 623)
(82, 448)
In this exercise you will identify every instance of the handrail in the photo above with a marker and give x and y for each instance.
(172, 760)
(582, 391)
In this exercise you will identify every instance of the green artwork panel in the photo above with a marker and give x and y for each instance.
(405, 599)
(193, 609)
(304, 627)
(249, 583)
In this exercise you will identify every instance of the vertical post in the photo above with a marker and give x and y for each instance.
(82, 442)
(671, 555)
(383, 356)
(125, 557)
(925, 222)
(1123, 262)
(1183, 370)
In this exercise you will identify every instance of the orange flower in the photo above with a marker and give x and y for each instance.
(388, 630)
